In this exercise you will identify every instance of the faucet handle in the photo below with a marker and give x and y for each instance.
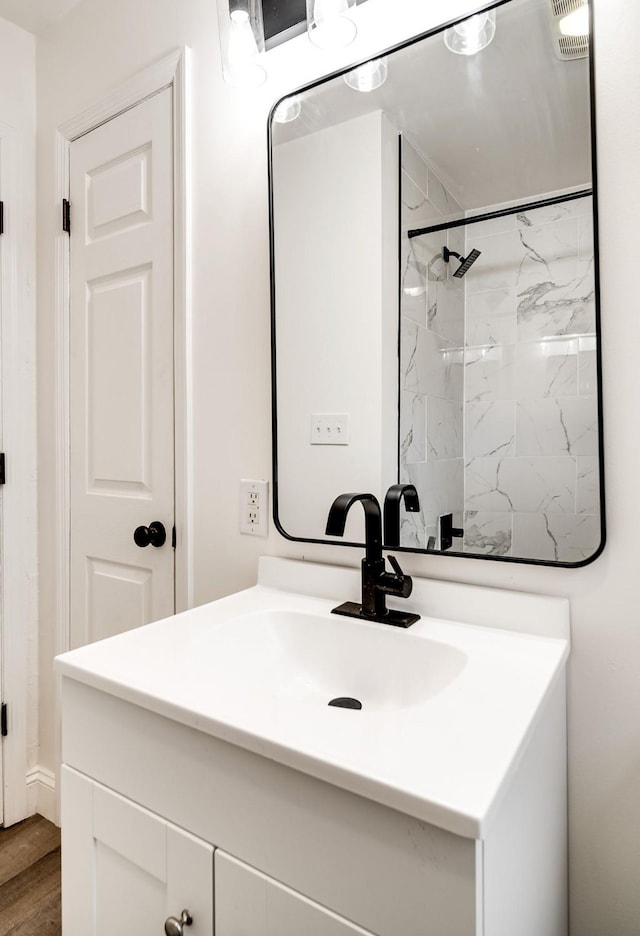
(397, 584)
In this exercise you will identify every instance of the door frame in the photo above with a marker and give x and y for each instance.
(19, 511)
(173, 72)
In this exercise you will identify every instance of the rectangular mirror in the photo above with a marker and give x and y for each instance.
(435, 312)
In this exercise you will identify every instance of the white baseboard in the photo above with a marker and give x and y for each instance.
(41, 793)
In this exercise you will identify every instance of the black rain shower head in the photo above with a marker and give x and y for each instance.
(465, 262)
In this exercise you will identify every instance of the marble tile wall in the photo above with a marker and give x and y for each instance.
(531, 423)
(431, 354)
(498, 409)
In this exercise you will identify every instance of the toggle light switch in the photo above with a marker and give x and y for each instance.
(329, 429)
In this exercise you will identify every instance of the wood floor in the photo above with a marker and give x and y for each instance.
(30, 879)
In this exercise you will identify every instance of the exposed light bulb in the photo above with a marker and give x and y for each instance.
(329, 24)
(243, 66)
(472, 34)
(288, 110)
(369, 76)
(575, 23)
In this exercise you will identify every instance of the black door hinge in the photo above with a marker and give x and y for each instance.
(2, 474)
(4, 731)
(66, 215)
(173, 537)
(1, 217)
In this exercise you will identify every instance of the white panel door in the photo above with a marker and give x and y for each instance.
(121, 371)
(125, 871)
(249, 903)
(1, 596)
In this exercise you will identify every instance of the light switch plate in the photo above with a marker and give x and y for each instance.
(329, 429)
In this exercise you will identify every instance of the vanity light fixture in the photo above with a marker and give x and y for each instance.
(288, 110)
(242, 41)
(472, 34)
(369, 76)
(575, 23)
(250, 28)
(569, 23)
(329, 23)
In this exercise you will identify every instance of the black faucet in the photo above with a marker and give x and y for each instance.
(392, 501)
(377, 583)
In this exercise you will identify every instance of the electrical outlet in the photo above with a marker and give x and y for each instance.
(329, 429)
(254, 507)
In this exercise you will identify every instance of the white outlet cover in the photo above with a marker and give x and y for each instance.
(254, 507)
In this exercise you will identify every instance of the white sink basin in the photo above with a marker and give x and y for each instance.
(312, 658)
(447, 705)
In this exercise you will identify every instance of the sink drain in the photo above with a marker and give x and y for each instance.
(346, 702)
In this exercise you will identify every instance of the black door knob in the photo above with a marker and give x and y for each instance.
(154, 535)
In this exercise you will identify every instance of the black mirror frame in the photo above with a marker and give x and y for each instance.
(594, 185)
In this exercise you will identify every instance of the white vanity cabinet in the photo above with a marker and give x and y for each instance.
(126, 869)
(248, 903)
(282, 816)
(158, 817)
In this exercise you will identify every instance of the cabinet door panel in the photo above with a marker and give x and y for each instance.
(250, 904)
(127, 897)
(130, 832)
(125, 870)
(189, 881)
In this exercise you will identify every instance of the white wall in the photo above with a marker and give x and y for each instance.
(17, 399)
(101, 43)
(332, 306)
